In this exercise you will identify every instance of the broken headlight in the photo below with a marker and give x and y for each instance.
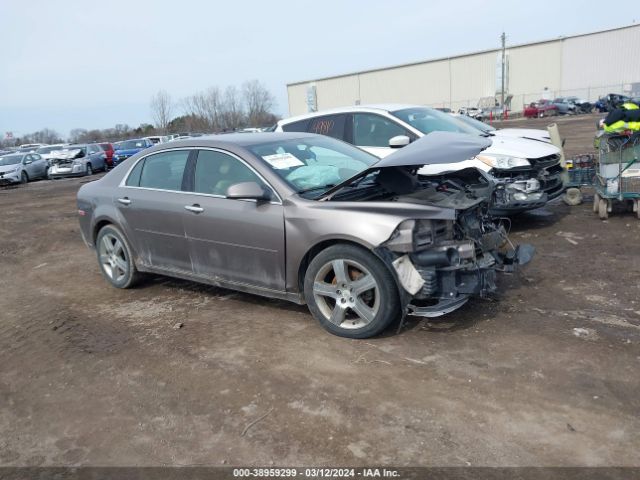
(411, 236)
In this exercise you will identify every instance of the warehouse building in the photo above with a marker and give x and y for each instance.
(587, 66)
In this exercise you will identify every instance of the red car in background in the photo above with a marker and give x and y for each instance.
(541, 108)
(108, 149)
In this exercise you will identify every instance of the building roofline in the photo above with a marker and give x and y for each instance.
(450, 57)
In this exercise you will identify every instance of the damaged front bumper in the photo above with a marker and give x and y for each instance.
(519, 191)
(67, 169)
(438, 280)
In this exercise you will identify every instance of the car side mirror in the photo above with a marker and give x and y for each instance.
(27, 162)
(399, 141)
(247, 191)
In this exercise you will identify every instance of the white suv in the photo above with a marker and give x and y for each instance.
(526, 173)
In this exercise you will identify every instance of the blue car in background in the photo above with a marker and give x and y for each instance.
(127, 148)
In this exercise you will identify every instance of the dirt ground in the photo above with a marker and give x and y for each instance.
(91, 375)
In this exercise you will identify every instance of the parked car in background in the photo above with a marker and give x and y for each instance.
(473, 112)
(527, 133)
(108, 151)
(361, 241)
(565, 107)
(30, 147)
(127, 148)
(610, 102)
(541, 108)
(155, 139)
(582, 105)
(526, 173)
(78, 161)
(46, 152)
(22, 167)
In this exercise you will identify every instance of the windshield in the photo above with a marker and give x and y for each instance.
(49, 149)
(428, 120)
(130, 144)
(10, 160)
(314, 163)
(477, 124)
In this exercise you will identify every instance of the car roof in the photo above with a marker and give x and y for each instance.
(235, 139)
(373, 108)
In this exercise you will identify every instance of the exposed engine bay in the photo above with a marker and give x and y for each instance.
(439, 263)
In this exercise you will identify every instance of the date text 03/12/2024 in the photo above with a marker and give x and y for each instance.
(315, 473)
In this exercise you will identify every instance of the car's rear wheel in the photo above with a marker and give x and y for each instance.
(115, 258)
(351, 292)
(24, 178)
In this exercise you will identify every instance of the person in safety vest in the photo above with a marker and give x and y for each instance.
(627, 117)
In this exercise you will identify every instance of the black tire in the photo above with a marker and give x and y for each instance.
(24, 177)
(382, 299)
(89, 170)
(129, 278)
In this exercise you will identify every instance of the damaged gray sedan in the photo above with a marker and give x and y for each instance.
(305, 218)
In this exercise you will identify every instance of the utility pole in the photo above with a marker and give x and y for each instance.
(503, 39)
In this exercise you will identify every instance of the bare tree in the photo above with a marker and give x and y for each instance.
(206, 106)
(259, 102)
(232, 113)
(161, 108)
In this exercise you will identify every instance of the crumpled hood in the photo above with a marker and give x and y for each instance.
(437, 148)
(521, 147)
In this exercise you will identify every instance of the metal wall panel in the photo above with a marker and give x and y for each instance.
(472, 77)
(586, 65)
(424, 83)
(602, 59)
(534, 67)
(297, 98)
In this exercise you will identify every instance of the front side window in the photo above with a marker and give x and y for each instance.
(429, 120)
(217, 171)
(371, 130)
(164, 170)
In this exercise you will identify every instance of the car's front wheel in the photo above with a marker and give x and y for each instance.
(24, 178)
(115, 258)
(351, 292)
(89, 170)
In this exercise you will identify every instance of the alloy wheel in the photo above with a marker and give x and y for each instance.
(346, 293)
(113, 258)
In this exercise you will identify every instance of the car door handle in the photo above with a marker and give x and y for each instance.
(124, 201)
(195, 208)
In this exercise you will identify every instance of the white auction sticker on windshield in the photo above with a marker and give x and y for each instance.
(281, 161)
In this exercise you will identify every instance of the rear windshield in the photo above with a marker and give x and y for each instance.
(130, 144)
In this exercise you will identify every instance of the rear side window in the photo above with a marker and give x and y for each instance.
(329, 125)
(300, 126)
(164, 170)
(134, 177)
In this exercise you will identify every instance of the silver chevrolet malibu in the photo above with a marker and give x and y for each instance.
(306, 218)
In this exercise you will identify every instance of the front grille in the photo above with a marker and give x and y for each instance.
(544, 162)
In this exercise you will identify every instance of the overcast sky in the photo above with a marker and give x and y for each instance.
(92, 64)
